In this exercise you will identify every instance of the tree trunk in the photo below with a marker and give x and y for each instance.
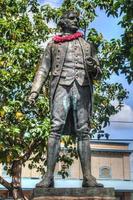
(15, 186)
(16, 170)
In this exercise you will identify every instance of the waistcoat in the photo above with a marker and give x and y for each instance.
(73, 67)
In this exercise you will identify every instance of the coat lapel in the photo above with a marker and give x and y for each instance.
(62, 50)
(58, 57)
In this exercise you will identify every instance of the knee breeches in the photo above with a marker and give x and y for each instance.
(74, 98)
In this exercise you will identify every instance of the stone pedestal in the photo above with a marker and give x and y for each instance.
(91, 193)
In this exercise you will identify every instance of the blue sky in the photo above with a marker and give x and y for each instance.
(109, 28)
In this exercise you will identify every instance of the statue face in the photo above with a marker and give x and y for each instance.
(71, 23)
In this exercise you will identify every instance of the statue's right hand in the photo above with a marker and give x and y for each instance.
(32, 98)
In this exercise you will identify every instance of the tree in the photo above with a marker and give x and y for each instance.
(24, 129)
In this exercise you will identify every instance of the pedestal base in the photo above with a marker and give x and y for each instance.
(91, 193)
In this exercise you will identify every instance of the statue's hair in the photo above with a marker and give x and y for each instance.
(65, 15)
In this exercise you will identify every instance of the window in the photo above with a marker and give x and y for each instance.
(105, 172)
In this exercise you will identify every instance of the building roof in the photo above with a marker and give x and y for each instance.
(110, 141)
(118, 185)
(112, 150)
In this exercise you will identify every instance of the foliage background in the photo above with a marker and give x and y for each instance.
(24, 27)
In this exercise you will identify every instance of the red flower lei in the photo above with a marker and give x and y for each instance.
(60, 38)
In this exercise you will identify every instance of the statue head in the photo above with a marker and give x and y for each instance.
(69, 22)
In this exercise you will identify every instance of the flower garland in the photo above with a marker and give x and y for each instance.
(60, 38)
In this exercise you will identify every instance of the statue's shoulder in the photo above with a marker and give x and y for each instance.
(88, 42)
(50, 43)
(46, 45)
(85, 42)
(91, 44)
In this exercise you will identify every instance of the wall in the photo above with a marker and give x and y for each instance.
(99, 160)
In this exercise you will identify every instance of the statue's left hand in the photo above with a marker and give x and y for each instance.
(91, 64)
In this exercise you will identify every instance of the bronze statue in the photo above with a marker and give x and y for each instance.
(73, 65)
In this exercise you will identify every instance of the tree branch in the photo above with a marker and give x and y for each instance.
(29, 151)
(5, 183)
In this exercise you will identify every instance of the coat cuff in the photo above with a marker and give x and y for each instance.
(34, 92)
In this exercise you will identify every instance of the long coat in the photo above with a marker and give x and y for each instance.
(52, 63)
